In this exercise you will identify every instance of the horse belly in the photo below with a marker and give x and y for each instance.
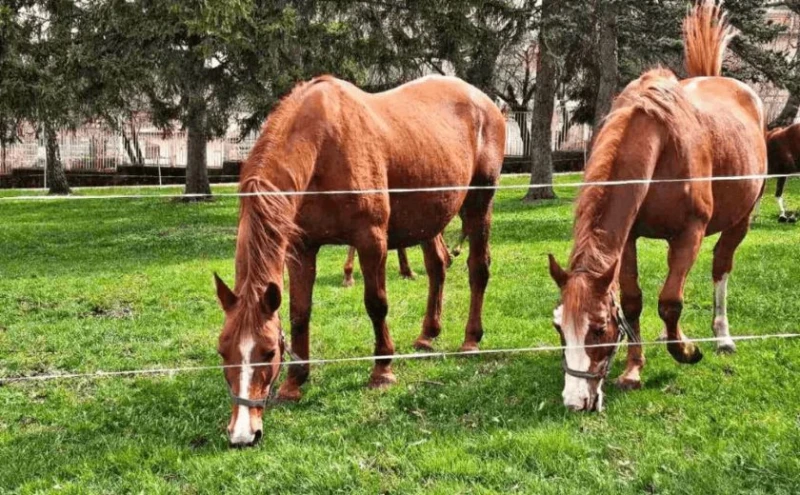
(420, 216)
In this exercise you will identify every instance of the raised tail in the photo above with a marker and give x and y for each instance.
(706, 34)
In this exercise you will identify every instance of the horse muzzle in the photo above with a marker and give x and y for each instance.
(582, 395)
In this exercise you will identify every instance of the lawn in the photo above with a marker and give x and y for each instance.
(126, 284)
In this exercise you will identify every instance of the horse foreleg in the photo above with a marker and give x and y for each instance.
(372, 257)
(302, 273)
(683, 251)
(435, 266)
(632, 308)
(405, 269)
(723, 264)
(348, 267)
(477, 219)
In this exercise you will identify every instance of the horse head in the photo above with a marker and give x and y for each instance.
(251, 346)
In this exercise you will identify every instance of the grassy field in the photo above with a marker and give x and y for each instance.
(126, 284)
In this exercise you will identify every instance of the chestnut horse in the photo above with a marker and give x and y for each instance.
(405, 269)
(783, 157)
(329, 136)
(659, 128)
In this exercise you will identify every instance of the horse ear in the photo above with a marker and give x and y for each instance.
(558, 274)
(227, 299)
(603, 283)
(271, 300)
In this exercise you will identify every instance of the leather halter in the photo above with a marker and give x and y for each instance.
(625, 330)
(262, 403)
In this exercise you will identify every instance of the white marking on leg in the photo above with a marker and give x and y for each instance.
(782, 206)
(721, 329)
(242, 432)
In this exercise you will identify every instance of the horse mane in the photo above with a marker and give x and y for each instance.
(706, 34)
(266, 230)
(656, 94)
(266, 220)
(276, 127)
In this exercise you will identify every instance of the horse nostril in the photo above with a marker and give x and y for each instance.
(257, 438)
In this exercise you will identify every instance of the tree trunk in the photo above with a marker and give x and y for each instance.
(788, 114)
(607, 58)
(196, 164)
(132, 147)
(543, 105)
(55, 174)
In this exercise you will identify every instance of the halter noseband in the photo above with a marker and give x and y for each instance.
(625, 330)
(262, 403)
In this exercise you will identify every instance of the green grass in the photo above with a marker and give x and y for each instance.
(126, 284)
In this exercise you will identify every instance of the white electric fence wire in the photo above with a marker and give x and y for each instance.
(397, 357)
(608, 183)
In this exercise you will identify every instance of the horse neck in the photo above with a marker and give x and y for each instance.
(606, 214)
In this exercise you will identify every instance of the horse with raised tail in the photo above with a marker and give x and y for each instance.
(705, 126)
(328, 136)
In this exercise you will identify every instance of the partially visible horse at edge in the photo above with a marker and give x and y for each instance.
(659, 128)
(783, 157)
(328, 135)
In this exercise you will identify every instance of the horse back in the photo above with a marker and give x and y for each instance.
(436, 132)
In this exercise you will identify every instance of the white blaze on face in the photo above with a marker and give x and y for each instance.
(578, 393)
(242, 432)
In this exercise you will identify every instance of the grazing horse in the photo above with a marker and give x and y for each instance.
(405, 269)
(783, 157)
(659, 128)
(328, 136)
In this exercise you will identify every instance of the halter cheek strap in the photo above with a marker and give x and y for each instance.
(262, 403)
(625, 330)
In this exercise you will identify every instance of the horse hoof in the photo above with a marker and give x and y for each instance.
(792, 218)
(289, 394)
(469, 347)
(348, 282)
(783, 219)
(685, 353)
(626, 384)
(423, 344)
(726, 347)
(383, 380)
(409, 275)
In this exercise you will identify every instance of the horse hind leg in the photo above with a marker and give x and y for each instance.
(405, 269)
(476, 216)
(436, 268)
(724, 250)
(683, 251)
(348, 267)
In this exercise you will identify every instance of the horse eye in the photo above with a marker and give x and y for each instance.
(598, 330)
(268, 356)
